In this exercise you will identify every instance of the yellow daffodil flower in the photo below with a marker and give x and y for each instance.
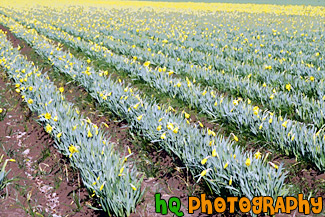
(163, 136)
(72, 150)
(204, 161)
(257, 155)
(139, 118)
(248, 162)
(48, 128)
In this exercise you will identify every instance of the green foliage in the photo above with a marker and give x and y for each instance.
(157, 124)
(4, 181)
(291, 137)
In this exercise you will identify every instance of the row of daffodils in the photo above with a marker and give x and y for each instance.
(292, 138)
(224, 166)
(106, 173)
(294, 95)
(270, 64)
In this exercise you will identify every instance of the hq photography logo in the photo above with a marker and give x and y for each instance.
(257, 205)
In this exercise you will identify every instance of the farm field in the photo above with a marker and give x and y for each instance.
(274, 2)
(104, 104)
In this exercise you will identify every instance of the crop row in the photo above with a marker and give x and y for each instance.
(106, 173)
(222, 164)
(292, 138)
(292, 103)
(299, 63)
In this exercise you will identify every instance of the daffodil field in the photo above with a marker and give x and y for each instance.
(86, 145)
(259, 69)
